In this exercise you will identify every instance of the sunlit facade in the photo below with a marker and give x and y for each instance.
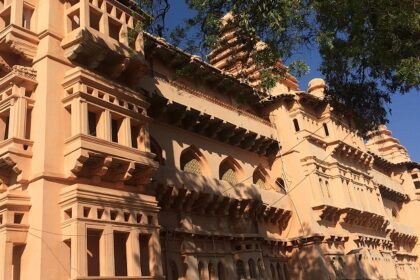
(114, 165)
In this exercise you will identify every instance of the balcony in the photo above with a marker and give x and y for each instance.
(100, 33)
(327, 210)
(15, 155)
(17, 22)
(14, 207)
(91, 157)
(402, 233)
(184, 191)
(20, 41)
(239, 132)
(16, 103)
(367, 219)
(326, 205)
(109, 213)
(347, 151)
(388, 187)
(107, 128)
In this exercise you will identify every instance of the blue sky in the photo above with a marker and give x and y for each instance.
(404, 122)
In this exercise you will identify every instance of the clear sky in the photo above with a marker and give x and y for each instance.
(404, 122)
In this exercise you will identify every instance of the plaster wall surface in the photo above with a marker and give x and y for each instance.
(114, 167)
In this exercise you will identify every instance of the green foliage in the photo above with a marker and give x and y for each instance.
(369, 49)
(298, 68)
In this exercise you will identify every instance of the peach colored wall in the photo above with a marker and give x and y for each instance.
(332, 220)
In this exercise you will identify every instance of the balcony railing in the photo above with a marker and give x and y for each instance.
(401, 229)
(383, 180)
(191, 192)
(16, 102)
(389, 188)
(327, 209)
(14, 207)
(99, 30)
(17, 22)
(90, 157)
(19, 40)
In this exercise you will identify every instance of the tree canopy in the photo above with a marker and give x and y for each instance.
(369, 49)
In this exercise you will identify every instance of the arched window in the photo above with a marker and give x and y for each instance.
(394, 213)
(327, 188)
(296, 125)
(240, 270)
(228, 171)
(324, 188)
(252, 269)
(281, 185)
(327, 133)
(221, 271)
(321, 186)
(174, 271)
(212, 274)
(191, 160)
(259, 177)
(261, 270)
(157, 150)
(273, 271)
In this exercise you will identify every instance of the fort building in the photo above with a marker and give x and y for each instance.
(115, 166)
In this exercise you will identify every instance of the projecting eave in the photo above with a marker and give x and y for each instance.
(219, 79)
(90, 78)
(134, 7)
(24, 76)
(274, 99)
(386, 164)
(177, 58)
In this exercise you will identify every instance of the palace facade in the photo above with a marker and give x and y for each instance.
(127, 158)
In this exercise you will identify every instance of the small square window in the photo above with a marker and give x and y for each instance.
(18, 218)
(113, 215)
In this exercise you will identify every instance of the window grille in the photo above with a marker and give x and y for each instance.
(260, 183)
(230, 176)
(193, 166)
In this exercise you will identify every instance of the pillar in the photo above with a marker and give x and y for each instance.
(107, 253)
(125, 134)
(103, 24)
(133, 254)
(144, 136)
(18, 110)
(124, 35)
(6, 257)
(79, 117)
(78, 251)
(105, 126)
(246, 269)
(84, 13)
(155, 253)
(16, 12)
(192, 267)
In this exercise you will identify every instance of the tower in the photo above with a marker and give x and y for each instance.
(75, 155)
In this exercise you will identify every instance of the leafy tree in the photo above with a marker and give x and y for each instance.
(369, 49)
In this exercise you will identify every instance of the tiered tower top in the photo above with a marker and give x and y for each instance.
(235, 54)
(383, 144)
